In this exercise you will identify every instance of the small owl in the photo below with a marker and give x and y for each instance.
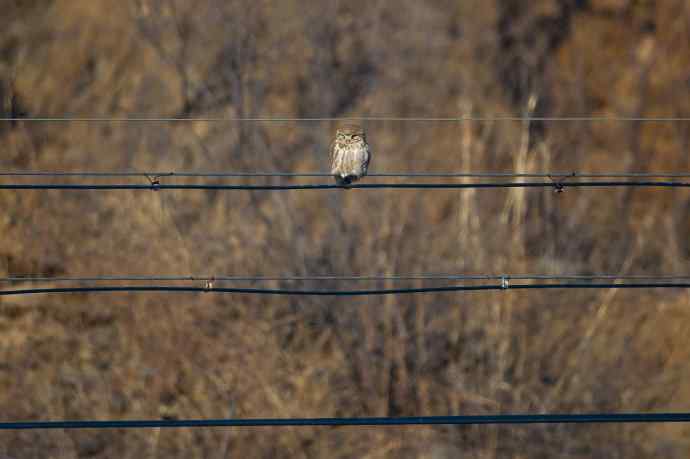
(350, 155)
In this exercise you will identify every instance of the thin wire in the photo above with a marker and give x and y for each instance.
(396, 277)
(559, 175)
(504, 285)
(358, 421)
(285, 119)
(157, 186)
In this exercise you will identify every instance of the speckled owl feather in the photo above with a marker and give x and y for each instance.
(350, 155)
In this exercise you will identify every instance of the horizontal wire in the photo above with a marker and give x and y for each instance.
(156, 186)
(283, 119)
(358, 421)
(328, 174)
(504, 285)
(420, 276)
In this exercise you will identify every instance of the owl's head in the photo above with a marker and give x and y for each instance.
(351, 132)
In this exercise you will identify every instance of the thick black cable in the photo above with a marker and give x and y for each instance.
(255, 291)
(550, 175)
(156, 186)
(504, 285)
(396, 277)
(594, 418)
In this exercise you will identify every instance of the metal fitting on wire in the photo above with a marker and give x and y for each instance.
(505, 283)
(154, 181)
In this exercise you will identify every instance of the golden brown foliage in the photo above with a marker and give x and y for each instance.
(205, 356)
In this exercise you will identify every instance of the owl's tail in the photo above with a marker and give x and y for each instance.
(343, 181)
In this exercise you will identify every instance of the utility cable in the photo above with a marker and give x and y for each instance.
(595, 418)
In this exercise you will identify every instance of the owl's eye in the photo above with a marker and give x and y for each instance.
(357, 137)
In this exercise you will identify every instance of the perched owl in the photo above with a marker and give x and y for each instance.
(350, 155)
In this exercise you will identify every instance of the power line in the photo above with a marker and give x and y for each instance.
(156, 186)
(286, 119)
(396, 277)
(149, 174)
(504, 285)
(595, 418)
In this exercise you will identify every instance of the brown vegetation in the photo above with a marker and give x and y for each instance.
(205, 356)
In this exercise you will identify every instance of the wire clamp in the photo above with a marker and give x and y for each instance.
(154, 180)
(208, 286)
(559, 183)
(505, 283)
